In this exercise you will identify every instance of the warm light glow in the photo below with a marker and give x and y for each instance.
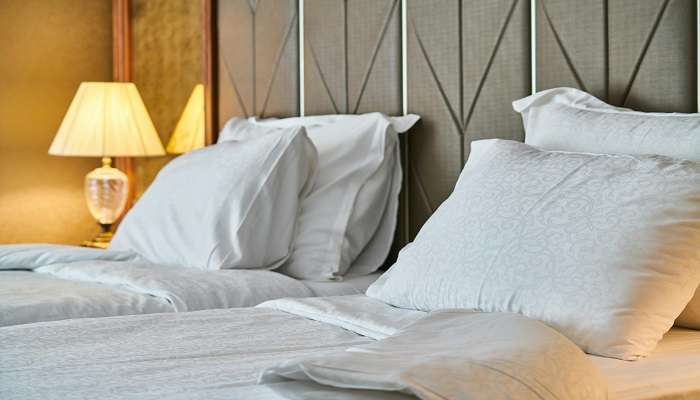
(189, 131)
(107, 119)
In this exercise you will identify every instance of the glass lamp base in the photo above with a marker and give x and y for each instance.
(106, 191)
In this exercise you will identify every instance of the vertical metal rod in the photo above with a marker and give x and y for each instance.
(254, 60)
(302, 82)
(346, 61)
(404, 59)
(533, 46)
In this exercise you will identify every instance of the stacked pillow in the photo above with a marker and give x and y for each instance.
(348, 219)
(572, 120)
(592, 226)
(603, 248)
(316, 197)
(233, 205)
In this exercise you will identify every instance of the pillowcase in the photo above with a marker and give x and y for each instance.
(572, 120)
(233, 205)
(347, 222)
(603, 248)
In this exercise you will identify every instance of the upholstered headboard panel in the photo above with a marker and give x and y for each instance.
(631, 53)
(352, 56)
(258, 58)
(467, 60)
(457, 63)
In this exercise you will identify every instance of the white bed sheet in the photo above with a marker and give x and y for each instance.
(347, 286)
(671, 372)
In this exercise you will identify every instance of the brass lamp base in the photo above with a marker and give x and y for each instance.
(101, 241)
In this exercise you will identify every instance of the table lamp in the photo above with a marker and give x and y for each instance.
(189, 131)
(106, 119)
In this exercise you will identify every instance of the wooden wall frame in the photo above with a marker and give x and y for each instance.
(209, 78)
(121, 72)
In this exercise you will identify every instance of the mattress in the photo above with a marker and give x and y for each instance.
(672, 372)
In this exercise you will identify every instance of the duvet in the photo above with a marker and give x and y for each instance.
(46, 283)
(346, 347)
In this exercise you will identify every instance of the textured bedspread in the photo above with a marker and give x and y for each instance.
(221, 354)
(195, 355)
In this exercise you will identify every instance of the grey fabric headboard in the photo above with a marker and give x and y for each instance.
(457, 63)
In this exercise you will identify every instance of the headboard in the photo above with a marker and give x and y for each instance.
(457, 63)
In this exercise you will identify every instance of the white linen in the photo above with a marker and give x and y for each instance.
(603, 248)
(184, 288)
(32, 256)
(572, 120)
(27, 297)
(361, 314)
(47, 282)
(671, 372)
(349, 285)
(349, 217)
(232, 205)
(213, 354)
(457, 354)
(102, 289)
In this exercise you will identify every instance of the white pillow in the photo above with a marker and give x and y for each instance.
(603, 248)
(349, 217)
(233, 205)
(572, 120)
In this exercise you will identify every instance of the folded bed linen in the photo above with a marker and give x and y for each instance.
(221, 354)
(92, 284)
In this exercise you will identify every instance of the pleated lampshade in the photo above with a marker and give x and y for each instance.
(189, 131)
(107, 119)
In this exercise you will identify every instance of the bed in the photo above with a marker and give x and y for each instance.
(462, 85)
(218, 354)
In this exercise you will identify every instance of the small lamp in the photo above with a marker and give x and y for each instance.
(189, 131)
(106, 119)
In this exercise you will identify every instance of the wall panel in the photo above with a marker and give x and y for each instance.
(467, 61)
(352, 56)
(653, 55)
(258, 58)
(571, 45)
(638, 54)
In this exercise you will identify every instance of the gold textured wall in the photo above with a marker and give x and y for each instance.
(47, 47)
(166, 44)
